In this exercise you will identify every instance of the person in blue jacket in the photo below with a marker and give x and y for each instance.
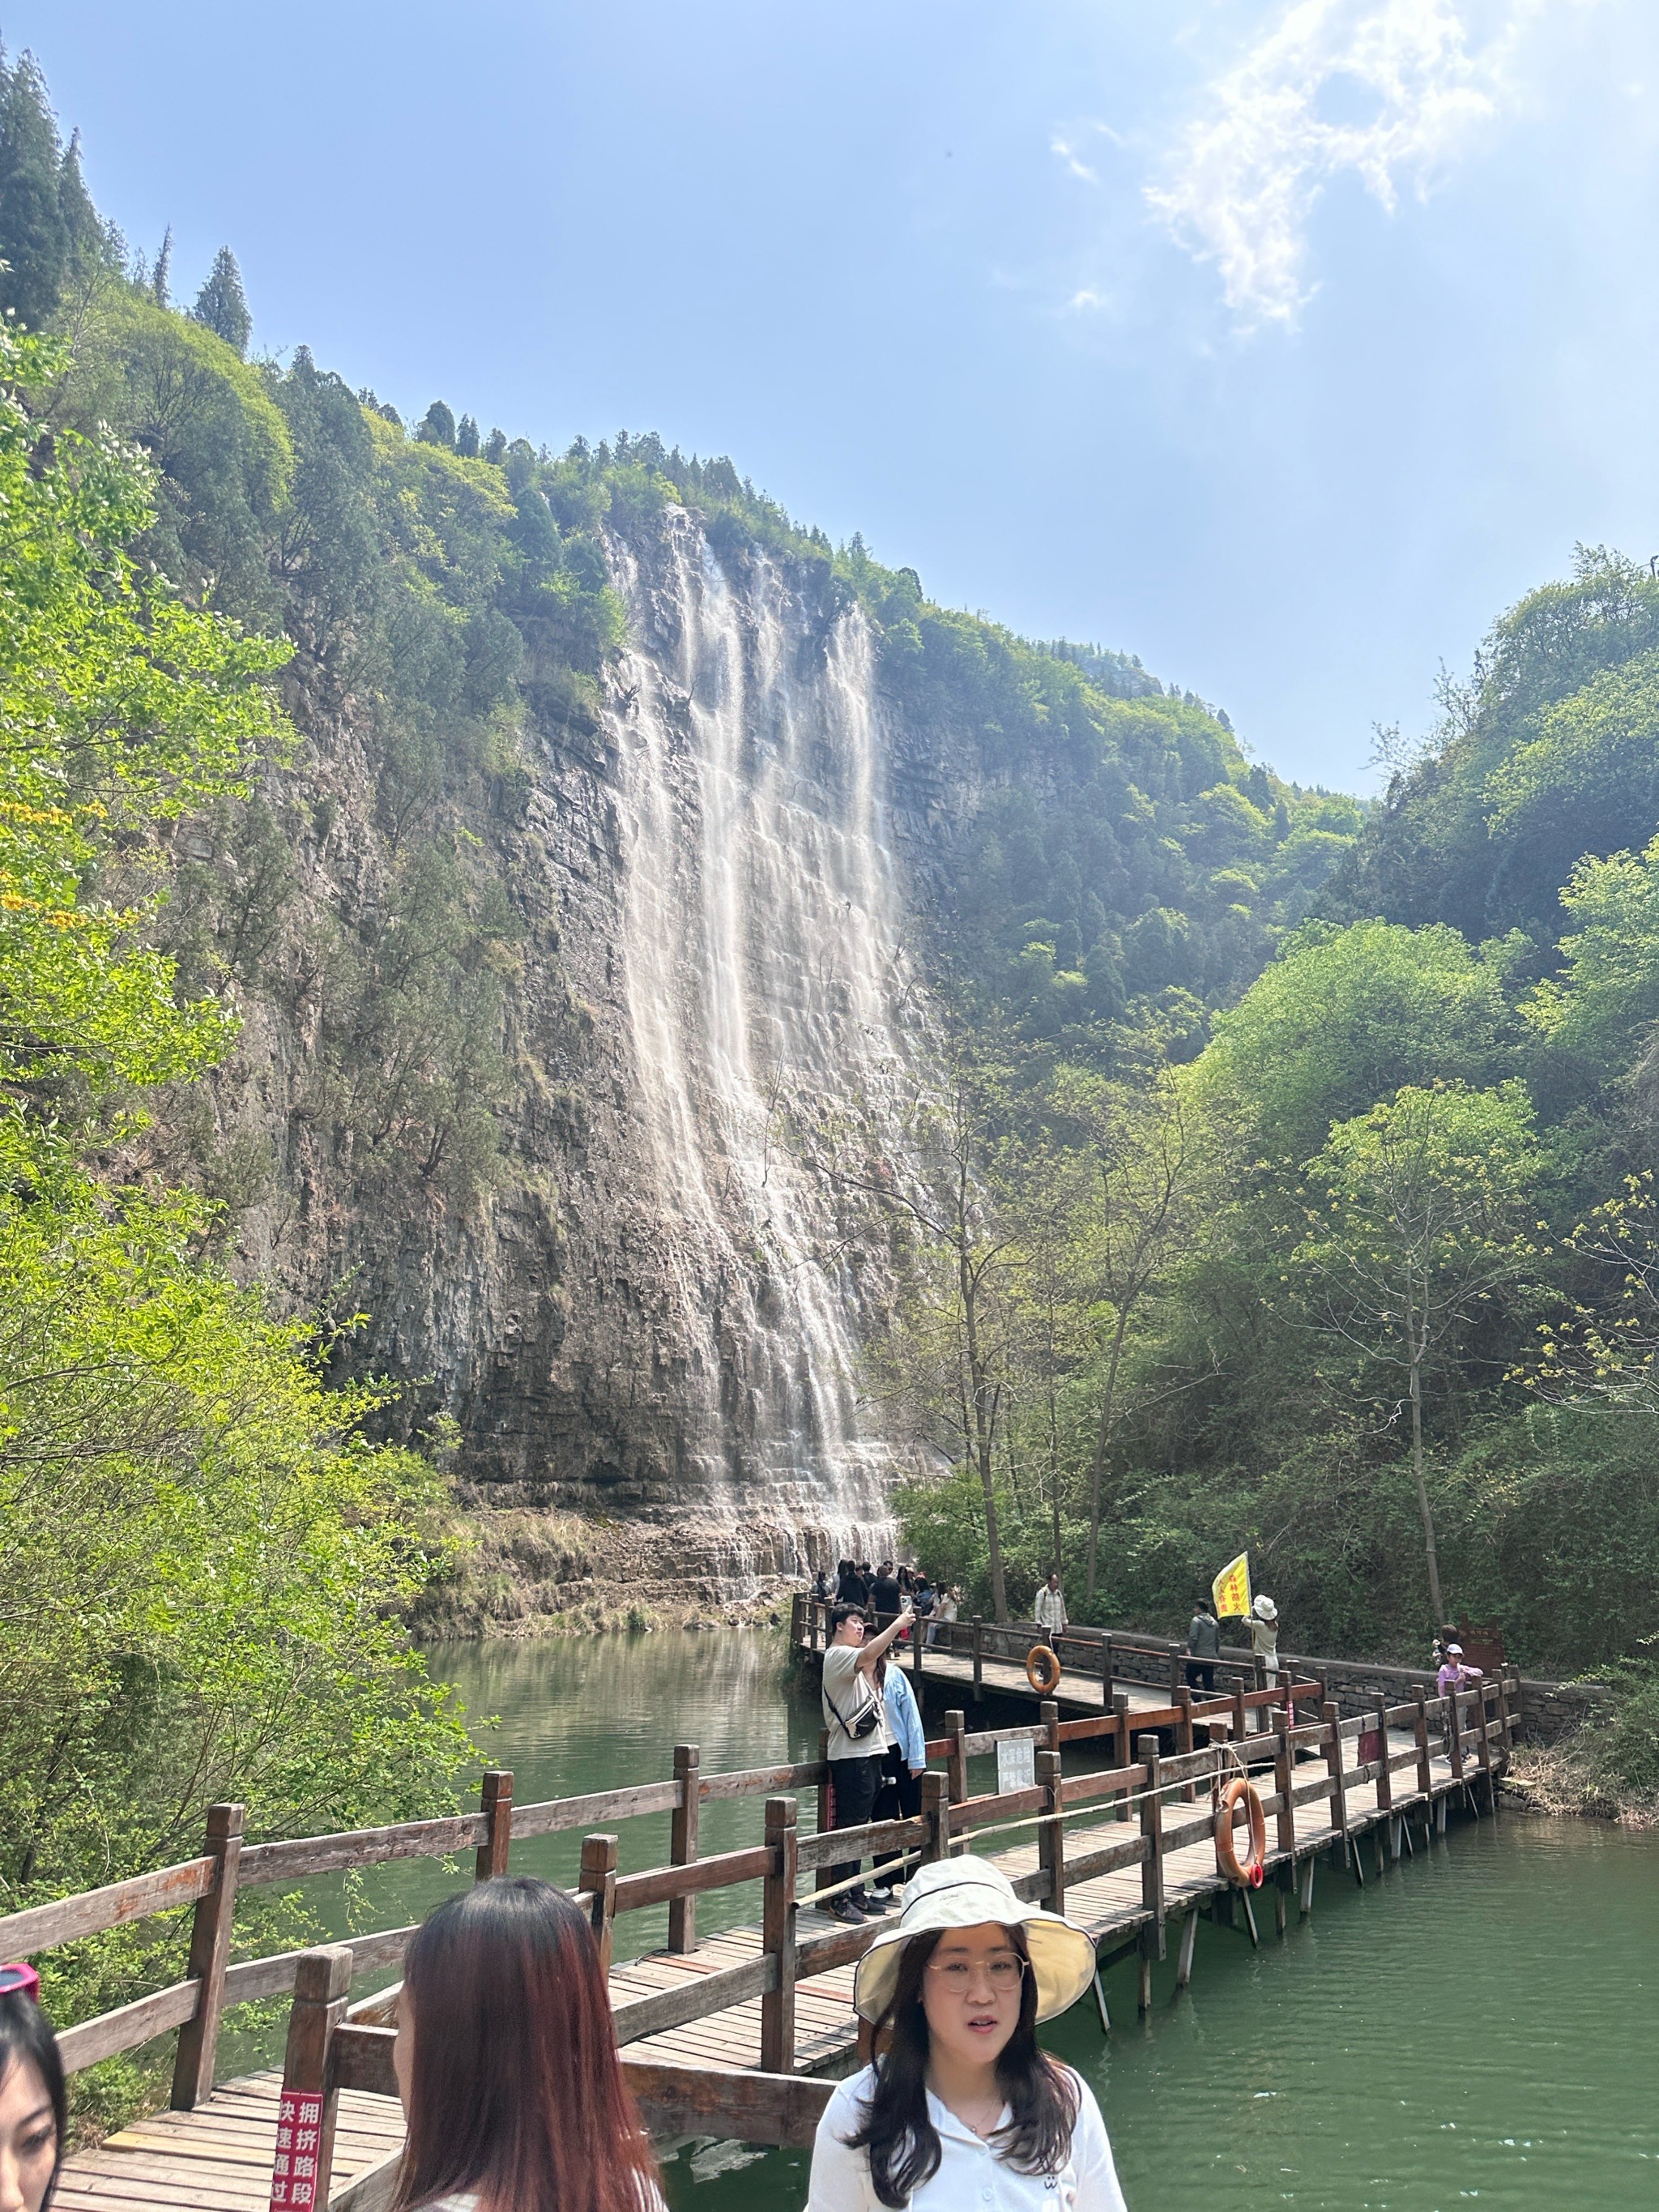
(899, 1797)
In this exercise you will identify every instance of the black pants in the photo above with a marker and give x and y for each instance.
(855, 1782)
(898, 1798)
(1200, 1676)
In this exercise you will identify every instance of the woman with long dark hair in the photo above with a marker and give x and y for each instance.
(506, 2063)
(33, 2107)
(961, 2108)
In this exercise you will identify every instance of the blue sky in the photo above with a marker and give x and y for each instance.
(1282, 342)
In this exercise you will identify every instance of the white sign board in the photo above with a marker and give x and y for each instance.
(1016, 1765)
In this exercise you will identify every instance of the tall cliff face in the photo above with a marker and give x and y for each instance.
(660, 1308)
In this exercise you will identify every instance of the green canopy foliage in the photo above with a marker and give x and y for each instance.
(204, 1558)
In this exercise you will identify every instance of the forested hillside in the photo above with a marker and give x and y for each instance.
(1376, 1270)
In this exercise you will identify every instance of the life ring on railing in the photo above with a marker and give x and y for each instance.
(1248, 1871)
(1042, 1670)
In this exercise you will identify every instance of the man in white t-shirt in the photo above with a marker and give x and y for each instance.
(855, 1715)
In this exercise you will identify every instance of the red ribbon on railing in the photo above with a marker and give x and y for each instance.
(299, 2131)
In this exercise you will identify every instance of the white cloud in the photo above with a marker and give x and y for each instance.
(1386, 90)
(1068, 155)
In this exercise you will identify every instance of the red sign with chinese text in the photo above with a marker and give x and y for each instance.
(299, 2130)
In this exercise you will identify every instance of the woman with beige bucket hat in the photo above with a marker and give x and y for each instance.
(962, 2112)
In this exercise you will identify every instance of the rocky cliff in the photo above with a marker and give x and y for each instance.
(656, 1304)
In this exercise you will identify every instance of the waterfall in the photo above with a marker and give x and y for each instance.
(765, 988)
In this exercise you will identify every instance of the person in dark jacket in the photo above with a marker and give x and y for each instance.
(886, 1597)
(1203, 1648)
(851, 1588)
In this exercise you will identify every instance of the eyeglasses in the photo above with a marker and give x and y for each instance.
(19, 1980)
(1004, 1973)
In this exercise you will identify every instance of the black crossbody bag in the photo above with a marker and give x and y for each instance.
(865, 1725)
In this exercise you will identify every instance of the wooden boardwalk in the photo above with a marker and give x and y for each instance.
(716, 2033)
(1110, 1906)
(219, 2158)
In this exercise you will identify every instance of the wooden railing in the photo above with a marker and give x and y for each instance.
(1131, 1656)
(1261, 1722)
(1144, 1788)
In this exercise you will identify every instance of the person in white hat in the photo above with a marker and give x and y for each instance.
(961, 2109)
(1264, 1636)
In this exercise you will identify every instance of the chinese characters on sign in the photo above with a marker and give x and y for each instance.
(299, 2129)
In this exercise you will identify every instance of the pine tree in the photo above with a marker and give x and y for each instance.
(222, 304)
(496, 447)
(437, 426)
(466, 437)
(87, 238)
(33, 240)
(159, 283)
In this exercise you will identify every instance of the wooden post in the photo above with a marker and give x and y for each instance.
(1184, 1698)
(1484, 1720)
(1425, 1765)
(1241, 1711)
(778, 1938)
(1152, 1828)
(1121, 1755)
(1506, 1719)
(599, 1878)
(210, 1954)
(1284, 1780)
(496, 1803)
(956, 1758)
(1105, 1670)
(825, 1809)
(918, 1638)
(1184, 1957)
(1048, 1714)
(683, 1844)
(310, 2104)
(936, 1811)
(979, 1657)
(1333, 1720)
(1385, 1779)
(1051, 1836)
(1455, 1734)
(797, 1618)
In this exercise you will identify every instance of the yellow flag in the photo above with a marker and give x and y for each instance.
(1231, 1589)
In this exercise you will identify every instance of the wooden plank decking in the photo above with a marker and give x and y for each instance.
(218, 2158)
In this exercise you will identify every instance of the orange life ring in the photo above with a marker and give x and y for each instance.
(1246, 1872)
(1041, 1669)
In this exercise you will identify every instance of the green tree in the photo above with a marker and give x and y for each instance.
(121, 708)
(1340, 1019)
(437, 426)
(1143, 1152)
(1606, 1002)
(222, 304)
(466, 438)
(951, 1354)
(1420, 1222)
(35, 237)
(203, 1559)
(161, 282)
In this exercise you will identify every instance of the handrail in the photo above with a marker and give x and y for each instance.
(1475, 1738)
